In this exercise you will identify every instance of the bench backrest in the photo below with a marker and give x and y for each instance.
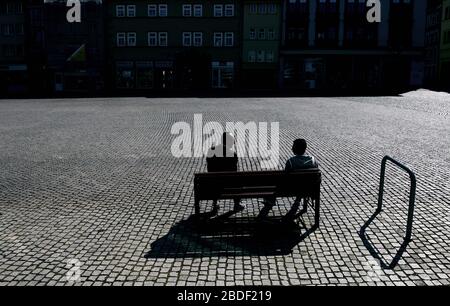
(303, 183)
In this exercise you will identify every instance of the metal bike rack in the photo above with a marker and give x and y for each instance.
(409, 224)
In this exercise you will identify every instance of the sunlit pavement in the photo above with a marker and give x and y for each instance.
(90, 193)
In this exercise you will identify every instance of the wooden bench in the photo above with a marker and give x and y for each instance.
(261, 184)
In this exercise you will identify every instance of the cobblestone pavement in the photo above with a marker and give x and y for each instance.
(90, 193)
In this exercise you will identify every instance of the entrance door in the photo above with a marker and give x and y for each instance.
(164, 75)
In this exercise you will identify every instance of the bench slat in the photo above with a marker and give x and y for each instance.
(217, 185)
(247, 195)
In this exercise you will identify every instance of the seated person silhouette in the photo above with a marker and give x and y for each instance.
(299, 161)
(223, 158)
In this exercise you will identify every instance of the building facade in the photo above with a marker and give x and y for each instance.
(36, 50)
(445, 47)
(329, 44)
(75, 59)
(261, 34)
(433, 43)
(135, 46)
(13, 66)
(174, 45)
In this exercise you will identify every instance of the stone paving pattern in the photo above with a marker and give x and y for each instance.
(94, 180)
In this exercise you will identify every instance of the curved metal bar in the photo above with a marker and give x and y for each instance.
(412, 192)
(409, 225)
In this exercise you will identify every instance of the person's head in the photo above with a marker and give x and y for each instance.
(299, 147)
(227, 140)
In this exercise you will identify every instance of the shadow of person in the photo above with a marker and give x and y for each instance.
(223, 236)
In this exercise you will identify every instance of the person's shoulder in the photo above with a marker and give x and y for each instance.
(291, 159)
(314, 161)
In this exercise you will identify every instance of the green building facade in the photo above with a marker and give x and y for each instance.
(261, 40)
(173, 44)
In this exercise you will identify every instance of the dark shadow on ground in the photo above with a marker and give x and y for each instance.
(385, 263)
(226, 236)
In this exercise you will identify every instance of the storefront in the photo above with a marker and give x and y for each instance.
(145, 75)
(222, 74)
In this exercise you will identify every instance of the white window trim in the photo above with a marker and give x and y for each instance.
(131, 8)
(187, 35)
(129, 36)
(187, 8)
(154, 36)
(153, 7)
(122, 36)
(218, 35)
(228, 35)
(160, 38)
(218, 8)
(194, 36)
(163, 8)
(195, 8)
(123, 8)
(226, 8)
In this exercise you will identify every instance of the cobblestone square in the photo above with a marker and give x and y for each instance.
(90, 193)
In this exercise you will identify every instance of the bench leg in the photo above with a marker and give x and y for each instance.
(305, 204)
(197, 206)
(304, 209)
(316, 212)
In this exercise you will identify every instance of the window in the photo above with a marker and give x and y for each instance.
(251, 56)
(144, 75)
(222, 74)
(269, 56)
(121, 39)
(252, 34)
(163, 38)
(125, 75)
(131, 39)
(253, 8)
(198, 39)
(162, 10)
(272, 8)
(262, 8)
(218, 39)
(260, 56)
(152, 39)
(198, 10)
(7, 29)
(218, 10)
(120, 10)
(229, 10)
(131, 10)
(187, 39)
(262, 34)
(152, 10)
(19, 29)
(187, 10)
(195, 10)
(10, 8)
(229, 39)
